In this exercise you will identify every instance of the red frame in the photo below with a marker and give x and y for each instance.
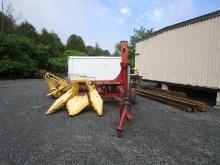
(113, 89)
(118, 89)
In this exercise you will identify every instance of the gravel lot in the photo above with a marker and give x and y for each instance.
(159, 134)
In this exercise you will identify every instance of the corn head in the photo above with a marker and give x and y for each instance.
(76, 96)
(57, 86)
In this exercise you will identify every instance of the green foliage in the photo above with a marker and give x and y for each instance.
(16, 69)
(138, 35)
(106, 53)
(23, 51)
(75, 42)
(8, 23)
(97, 51)
(117, 50)
(15, 56)
(14, 47)
(90, 50)
(68, 53)
(55, 46)
(100, 52)
(58, 65)
(28, 30)
(41, 56)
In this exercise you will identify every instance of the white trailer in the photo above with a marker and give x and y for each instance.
(94, 68)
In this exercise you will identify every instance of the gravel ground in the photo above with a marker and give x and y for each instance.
(159, 134)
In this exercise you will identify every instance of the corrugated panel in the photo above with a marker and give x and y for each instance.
(187, 55)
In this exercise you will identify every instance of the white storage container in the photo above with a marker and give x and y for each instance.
(95, 68)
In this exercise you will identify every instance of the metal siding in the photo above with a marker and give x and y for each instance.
(188, 55)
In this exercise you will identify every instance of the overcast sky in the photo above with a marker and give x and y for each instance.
(107, 21)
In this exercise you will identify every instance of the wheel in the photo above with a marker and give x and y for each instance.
(132, 96)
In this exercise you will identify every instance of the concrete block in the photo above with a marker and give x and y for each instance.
(164, 87)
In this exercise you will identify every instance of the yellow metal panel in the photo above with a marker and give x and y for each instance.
(60, 102)
(95, 99)
(76, 104)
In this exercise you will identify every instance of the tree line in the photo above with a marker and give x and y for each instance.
(24, 51)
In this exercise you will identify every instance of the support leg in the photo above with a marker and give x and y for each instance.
(125, 114)
(218, 100)
(129, 116)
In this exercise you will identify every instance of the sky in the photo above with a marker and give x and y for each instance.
(107, 21)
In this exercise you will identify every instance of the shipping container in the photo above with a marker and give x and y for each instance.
(186, 53)
(94, 68)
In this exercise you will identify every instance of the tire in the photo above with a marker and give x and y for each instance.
(132, 96)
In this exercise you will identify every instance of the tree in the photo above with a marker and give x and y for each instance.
(100, 52)
(15, 56)
(28, 30)
(14, 47)
(53, 42)
(90, 50)
(117, 50)
(75, 42)
(8, 23)
(41, 56)
(15, 69)
(106, 53)
(138, 35)
(8, 20)
(68, 53)
(58, 65)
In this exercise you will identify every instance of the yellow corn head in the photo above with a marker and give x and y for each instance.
(76, 104)
(68, 95)
(57, 86)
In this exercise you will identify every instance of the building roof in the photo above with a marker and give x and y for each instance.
(184, 23)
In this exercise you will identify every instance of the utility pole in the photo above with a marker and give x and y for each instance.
(2, 17)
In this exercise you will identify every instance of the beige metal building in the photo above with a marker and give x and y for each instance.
(186, 53)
